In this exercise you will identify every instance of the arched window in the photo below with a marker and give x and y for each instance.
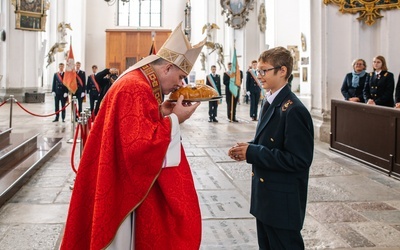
(139, 13)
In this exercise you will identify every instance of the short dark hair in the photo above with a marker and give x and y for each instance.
(94, 66)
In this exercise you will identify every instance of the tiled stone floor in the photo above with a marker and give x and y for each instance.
(350, 206)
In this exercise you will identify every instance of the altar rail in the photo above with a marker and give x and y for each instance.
(368, 133)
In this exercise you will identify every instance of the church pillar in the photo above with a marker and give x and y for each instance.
(320, 103)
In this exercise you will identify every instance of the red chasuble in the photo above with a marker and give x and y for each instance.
(121, 172)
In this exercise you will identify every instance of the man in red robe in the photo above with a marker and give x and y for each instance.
(134, 188)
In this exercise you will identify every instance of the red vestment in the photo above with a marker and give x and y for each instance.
(121, 172)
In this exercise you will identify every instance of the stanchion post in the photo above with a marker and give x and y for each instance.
(88, 116)
(11, 108)
(95, 105)
(83, 122)
(73, 119)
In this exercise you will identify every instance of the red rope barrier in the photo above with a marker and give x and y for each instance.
(1, 104)
(27, 111)
(73, 148)
(77, 111)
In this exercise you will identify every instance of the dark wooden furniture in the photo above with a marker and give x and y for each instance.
(368, 133)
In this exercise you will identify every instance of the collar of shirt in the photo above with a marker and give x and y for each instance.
(378, 72)
(271, 97)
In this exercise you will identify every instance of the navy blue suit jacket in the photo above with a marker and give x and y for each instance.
(281, 155)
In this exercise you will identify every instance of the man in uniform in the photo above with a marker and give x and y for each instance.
(93, 88)
(134, 188)
(231, 100)
(81, 83)
(60, 92)
(213, 80)
(253, 88)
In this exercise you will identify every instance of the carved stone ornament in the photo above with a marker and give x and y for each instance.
(262, 18)
(368, 9)
(236, 12)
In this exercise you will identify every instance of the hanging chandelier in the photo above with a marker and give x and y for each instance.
(112, 2)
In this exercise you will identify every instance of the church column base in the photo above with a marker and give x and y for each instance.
(322, 125)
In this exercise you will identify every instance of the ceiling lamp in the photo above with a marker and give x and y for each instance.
(112, 2)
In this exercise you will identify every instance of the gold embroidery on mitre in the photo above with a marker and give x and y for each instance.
(286, 105)
(168, 55)
(185, 66)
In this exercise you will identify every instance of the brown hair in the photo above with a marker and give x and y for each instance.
(278, 57)
(382, 59)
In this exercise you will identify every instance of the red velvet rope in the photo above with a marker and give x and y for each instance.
(77, 111)
(1, 104)
(27, 111)
(73, 147)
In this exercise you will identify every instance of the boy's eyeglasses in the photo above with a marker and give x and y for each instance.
(262, 72)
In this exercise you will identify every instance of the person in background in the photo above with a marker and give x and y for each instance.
(134, 188)
(379, 85)
(397, 94)
(60, 92)
(281, 154)
(213, 80)
(354, 82)
(93, 88)
(253, 90)
(105, 79)
(81, 83)
(231, 100)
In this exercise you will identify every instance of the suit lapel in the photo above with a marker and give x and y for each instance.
(276, 104)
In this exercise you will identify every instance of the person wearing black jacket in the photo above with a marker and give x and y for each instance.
(397, 94)
(354, 82)
(379, 86)
(281, 154)
(60, 92)
(231, 100)
(214, 81)
(253, 89)
(81, 83)
(105, 79)
(93, 88)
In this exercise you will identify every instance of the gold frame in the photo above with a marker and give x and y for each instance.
(368, 9)
(30, 14)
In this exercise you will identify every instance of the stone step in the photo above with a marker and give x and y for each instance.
(15, 149)
(13, 179)
(4, 137)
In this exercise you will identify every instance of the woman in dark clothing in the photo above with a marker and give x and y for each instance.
(354, 82)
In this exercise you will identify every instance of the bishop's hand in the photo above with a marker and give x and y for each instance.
(184, 110)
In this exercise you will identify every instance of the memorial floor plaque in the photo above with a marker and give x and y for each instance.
(229, 234)
(223, 204)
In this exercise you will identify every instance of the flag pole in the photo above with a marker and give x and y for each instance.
(233, 98)
(232, 95)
